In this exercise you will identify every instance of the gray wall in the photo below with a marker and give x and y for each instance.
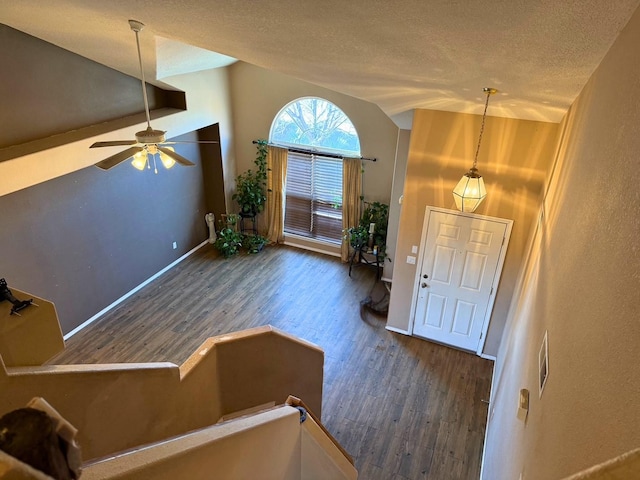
(46, 90)
(84, 239)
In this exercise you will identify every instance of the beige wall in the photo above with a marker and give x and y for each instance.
(120, 406)
(513, 160)
(582, 287)
(257, 95)
(269, 445)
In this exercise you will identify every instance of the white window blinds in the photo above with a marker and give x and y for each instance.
(313, 205)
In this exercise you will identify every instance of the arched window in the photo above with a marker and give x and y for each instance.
(313, 202)
(317, 124)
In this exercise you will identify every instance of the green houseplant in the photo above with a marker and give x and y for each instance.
(251, 185)
(254, 243)
(358, 237)
(229, 240)
(377, 213)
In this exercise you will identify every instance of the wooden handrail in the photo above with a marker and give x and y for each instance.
(296, 402)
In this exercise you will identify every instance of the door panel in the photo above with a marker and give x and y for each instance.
(461, 254)
(443, 264)
(436, 306)
(463, 318)
(473, 271)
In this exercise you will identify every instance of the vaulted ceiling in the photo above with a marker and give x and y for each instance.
(434, 54)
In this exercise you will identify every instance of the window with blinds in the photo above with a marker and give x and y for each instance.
(313, 205)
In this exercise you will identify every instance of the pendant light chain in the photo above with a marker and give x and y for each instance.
(484, 116)
(470, 190)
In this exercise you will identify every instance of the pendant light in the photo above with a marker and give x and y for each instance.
(470, 190)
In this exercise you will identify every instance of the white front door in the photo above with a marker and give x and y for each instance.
(462, 256)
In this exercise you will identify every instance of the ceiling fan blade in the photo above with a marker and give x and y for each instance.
(188, 141)
(177, 157)
(114, 160)
(114, 143)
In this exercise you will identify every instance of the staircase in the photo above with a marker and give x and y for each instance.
(160, 420)
(273, 444)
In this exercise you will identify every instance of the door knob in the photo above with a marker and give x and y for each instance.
(424, 285)
(425, 276)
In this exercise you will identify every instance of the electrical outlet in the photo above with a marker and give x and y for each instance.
(411, 260)
(175, 245)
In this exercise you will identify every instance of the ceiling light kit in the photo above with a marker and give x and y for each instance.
(470, 190)
(149, 142)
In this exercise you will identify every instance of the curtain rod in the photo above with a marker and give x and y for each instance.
(324, 154)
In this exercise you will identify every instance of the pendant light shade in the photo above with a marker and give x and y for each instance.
(470, 190)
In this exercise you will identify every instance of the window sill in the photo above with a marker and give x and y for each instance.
(312, 244)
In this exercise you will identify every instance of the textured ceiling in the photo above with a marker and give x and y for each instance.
(435, 54)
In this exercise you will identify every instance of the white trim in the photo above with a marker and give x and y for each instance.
(488, 357)
(131, 292)
(397, 330)
(290, 241)
(416, 281)
(486, 428)
(543, 359)
(496, 280)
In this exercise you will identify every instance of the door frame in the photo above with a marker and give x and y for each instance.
(496, 277)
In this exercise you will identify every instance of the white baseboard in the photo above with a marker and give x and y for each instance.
(397, 330)
(488, 357)
(131, 292)
(486, 428)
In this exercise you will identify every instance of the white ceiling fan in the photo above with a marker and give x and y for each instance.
(148, 142)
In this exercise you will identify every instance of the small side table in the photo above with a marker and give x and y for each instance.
(365, 256)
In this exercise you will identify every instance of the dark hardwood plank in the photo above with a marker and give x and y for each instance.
(403, 407)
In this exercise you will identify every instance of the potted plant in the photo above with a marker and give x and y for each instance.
(357, 236)
(249, 194)
(251, 186)
(229, 239)
(254, 243)
(376, 213)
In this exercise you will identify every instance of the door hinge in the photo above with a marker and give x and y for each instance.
(503, 239)
(481, 334)
(491, 292)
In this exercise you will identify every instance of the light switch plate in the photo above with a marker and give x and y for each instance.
(523, 404)
(414, 249)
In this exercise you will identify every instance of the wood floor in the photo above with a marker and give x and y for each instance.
(404, 408)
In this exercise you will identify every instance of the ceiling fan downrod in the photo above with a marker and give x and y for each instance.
(137, 27)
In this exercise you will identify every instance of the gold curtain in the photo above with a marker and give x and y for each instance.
(351, 202)
(276, 180)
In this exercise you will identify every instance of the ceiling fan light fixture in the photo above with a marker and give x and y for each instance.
(152, 149)
(167, 161)
(139, 160)
(470, 190)
(150, 136)
(149, 142)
